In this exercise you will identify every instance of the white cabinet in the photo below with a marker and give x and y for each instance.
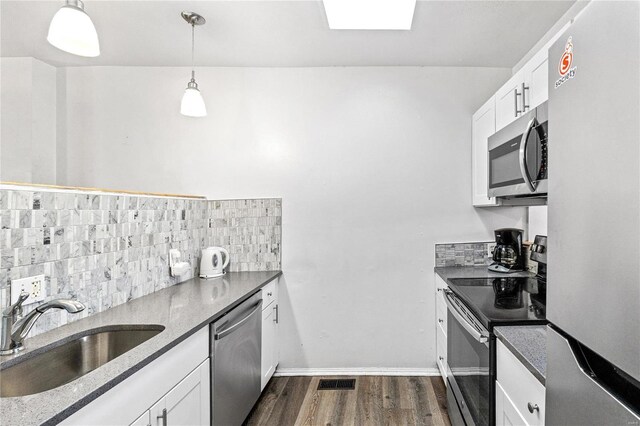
(506, 412)
(441, 327)
(509, 100)
(169, 378)
(483, 125)
(520, 397)
(536, 77)
(270, 325)
(187, 403)
(528, 87)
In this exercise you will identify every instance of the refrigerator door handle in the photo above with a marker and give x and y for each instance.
(523, 154)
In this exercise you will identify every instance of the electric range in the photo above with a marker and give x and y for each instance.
(503, 300)
(475, 307)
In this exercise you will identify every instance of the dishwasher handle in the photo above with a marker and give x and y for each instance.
(234, 327)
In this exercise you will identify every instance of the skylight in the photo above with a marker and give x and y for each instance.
(369, 14)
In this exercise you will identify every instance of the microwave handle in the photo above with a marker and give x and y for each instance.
(523, 155)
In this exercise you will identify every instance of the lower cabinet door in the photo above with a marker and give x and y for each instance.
(187, 403)
(441, 352)
(268, 344)
(506, 412)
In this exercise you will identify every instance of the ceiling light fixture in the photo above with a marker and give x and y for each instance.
(192, 104)
(72, 30)
(369, 14)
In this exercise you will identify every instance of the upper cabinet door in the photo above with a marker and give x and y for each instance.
(536, 77)
(509, 101)
(483, 125)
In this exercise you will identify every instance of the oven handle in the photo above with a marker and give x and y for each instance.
(523, 154)
(478, 335)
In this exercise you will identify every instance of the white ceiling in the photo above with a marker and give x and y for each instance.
(285, 33)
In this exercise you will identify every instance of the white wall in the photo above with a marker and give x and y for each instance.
(537, 221)
(28, 121)
(373, 165)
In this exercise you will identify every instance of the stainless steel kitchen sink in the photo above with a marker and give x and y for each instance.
(64, 363)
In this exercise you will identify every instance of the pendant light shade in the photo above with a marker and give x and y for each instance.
(192, 104)
(72, 30)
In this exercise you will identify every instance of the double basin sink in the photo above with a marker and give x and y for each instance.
(64, 363)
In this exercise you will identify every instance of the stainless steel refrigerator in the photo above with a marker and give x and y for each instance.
(593, 294)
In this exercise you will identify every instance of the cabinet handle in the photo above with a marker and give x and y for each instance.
(277, 318)
(515, 98)
(163, 417)
(440, 320)
(439, 289)
(269, 294)
(524, 97)
(441, 358)
(533, 407)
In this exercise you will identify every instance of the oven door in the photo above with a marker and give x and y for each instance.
(468, 356)
(518, 157)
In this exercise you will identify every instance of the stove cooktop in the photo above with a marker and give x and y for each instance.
(503, 300)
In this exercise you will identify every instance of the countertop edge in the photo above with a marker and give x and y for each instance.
(101, 390)
(478, 271)
(520, 356)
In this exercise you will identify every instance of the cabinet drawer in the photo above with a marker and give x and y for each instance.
(441, 352)
(440, 283)
(520, 386)
(269, 294)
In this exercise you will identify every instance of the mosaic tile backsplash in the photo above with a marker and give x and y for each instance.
(463, 254)
(104, 250)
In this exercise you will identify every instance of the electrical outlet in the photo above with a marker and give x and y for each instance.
(490, 248)
(32, 285)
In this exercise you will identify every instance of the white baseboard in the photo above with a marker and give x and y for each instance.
(281, 372)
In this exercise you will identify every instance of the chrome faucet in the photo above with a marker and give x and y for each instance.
(15, 330)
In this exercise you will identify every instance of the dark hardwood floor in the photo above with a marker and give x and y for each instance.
(376, 400)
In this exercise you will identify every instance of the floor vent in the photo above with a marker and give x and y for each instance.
(337, 384)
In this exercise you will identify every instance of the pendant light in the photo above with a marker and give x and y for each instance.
(72, 30)
(192, 104)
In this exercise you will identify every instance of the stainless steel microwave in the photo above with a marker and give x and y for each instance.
(518, 157)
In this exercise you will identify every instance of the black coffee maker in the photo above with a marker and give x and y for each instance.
(508, 256)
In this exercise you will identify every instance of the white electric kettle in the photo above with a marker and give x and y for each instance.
(211, 264)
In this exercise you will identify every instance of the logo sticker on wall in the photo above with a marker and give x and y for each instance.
(564, 67)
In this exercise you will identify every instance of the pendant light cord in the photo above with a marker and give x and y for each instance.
(193, 43)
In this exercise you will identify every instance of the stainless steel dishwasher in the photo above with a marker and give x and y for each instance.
(236, 351)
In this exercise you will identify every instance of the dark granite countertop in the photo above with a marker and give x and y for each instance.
(529, 344)
(182, 309)
(449, 272)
